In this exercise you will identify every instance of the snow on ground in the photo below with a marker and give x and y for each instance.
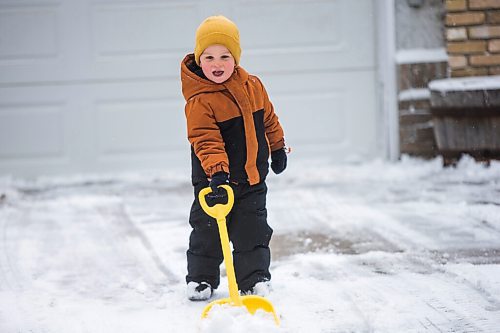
(372, 247)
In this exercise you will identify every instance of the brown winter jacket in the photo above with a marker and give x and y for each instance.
(231, 126)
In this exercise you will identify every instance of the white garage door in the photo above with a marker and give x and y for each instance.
(92, 86)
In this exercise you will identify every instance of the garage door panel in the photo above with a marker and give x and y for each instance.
(296, 24)
(20, 138)
(331, 114)
(148, 120)
(307, 35)
(141, 29)
(144, 129)
(305, 112)
(43, 128)
(74, 41)
(105, 126)
(139, 39)
(41, 41)
(28, 33)
(136, 126)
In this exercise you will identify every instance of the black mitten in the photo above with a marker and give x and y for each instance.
(218, 194)
(219, 178)
(278, 161)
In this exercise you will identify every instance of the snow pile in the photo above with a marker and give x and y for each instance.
(468, 170)
(415, 56)
(414, 94)
(7, 190)
(227, 318)
(467, 83)
(380, 171)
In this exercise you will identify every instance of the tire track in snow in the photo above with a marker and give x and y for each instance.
(487, 296)
(318, 208)
(367, 324)
(8, 273)
(103, 251)
(374, 302)
(118, 216)
(458, 305)
(453, 307)
(11, 280)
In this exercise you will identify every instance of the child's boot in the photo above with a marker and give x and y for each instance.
(199, 291)
(262, 288)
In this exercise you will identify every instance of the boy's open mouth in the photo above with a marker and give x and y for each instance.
(217, 73)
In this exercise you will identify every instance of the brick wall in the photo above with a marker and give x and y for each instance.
(473, 37)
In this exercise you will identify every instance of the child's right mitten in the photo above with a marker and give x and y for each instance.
(219, 178)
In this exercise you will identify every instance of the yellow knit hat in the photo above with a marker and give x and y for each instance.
(217, 30)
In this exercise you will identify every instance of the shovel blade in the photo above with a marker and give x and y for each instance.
(251, 302)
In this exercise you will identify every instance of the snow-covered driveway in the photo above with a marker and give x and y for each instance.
(375, 247)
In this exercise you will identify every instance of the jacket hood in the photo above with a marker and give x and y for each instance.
(193, 84)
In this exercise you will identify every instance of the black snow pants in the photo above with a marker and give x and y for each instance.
(248, 232)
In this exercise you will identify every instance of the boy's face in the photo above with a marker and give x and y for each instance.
(217, 63)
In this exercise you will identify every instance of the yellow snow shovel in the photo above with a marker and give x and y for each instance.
(251, 302)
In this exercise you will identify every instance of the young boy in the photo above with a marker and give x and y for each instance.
(233, 130)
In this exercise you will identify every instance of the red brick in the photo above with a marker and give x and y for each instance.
(454, 34)
(494, 46)
(494, 70)
(484, 4)
(457, 62)
(469, 72)
(485, 60)
(493, 16)
(469, 18)
(467, 47)
(484, 32)
(456, 5)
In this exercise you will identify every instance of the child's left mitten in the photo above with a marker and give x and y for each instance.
(278, 161)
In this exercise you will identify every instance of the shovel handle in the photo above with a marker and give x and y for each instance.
(217, 211)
